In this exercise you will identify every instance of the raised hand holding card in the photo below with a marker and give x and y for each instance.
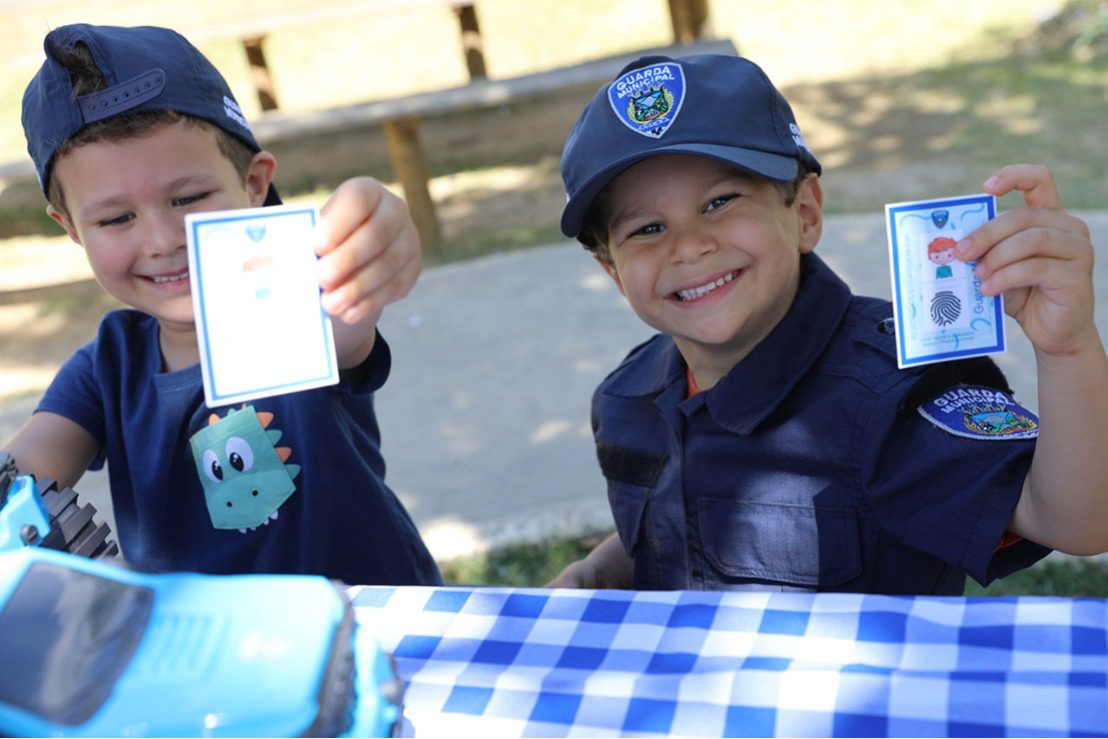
(941, 313)
(261, 328)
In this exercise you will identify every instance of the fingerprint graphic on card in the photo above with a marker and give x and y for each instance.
(945, 308)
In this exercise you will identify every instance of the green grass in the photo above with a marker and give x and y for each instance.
(520, 565)
(1077, 578)
(1047, 109)
(535, 564)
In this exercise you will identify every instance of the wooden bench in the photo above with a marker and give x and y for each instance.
(688, 21)
(400, 117)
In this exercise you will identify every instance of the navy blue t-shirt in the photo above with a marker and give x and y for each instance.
(331, 512)
(810, 465)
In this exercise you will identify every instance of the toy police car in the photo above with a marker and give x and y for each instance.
(91, 648)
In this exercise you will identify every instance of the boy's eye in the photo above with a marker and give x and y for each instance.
(117, 220)
(189, 199)
(648, 230)
(719, 202)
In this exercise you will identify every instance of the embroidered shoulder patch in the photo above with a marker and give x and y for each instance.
(977, 412)
(648, 99)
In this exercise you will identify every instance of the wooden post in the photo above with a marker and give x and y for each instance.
(689, 18)
(406, 157)
(259, 72)
(471, 41)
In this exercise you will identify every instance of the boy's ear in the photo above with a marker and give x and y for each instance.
(61, 219)
(611, 270)
(259, 176)
(809, 208)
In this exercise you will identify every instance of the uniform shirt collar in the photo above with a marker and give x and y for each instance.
(755, 387)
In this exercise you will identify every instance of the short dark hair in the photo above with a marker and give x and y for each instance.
(87, 78)
(594, 227)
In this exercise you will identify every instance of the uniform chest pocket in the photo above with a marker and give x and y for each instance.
(813, 547)
(631, 475)
(628, 504)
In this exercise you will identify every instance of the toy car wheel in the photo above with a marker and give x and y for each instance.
(73, 527)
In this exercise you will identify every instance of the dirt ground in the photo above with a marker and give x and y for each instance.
(496, 185)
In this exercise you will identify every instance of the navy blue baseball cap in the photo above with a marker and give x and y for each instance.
(145, 68)
(713, 105)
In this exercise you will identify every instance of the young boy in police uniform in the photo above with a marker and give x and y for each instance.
(130, 129)
(765, 438)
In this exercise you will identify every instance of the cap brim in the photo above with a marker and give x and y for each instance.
(763, 164)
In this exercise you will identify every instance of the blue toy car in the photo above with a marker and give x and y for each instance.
(40, 513)
(91, 648)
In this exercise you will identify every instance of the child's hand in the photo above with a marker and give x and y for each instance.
(606, 566)
(1041, 258)
(580, 574)
(369, 257)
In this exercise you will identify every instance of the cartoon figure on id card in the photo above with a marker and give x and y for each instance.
(947, 307)
(941, 253)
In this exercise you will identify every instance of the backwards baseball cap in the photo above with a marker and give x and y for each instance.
(145, 68)
(717, 106)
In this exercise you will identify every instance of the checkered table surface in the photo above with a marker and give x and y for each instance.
(488, 662)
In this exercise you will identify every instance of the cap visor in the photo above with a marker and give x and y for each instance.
(775, 167)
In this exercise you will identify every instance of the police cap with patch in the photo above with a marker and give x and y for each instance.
(718, 106)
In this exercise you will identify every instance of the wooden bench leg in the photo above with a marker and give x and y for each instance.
(259, 72)
(689, 18)
(472, 45)
(406, 157)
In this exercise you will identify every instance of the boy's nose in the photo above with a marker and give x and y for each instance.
(692, 244)
(165, 234)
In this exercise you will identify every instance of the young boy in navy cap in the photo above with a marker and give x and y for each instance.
(130, 129)
(766, 439)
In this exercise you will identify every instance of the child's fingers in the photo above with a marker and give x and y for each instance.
(384, 276)
(1042, 272)
(369, 253)
(1026, 244)
(373, 289)
(382, 232)
(1047, 224)
(351, 204)
(1035, 181)
(363, 270)
(346, 259)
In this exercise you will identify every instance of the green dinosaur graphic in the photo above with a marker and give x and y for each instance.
(242, 469)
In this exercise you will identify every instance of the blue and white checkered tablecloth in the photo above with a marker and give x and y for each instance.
(488, 662)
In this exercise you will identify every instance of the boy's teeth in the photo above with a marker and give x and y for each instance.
(158, 279)
(696, 292)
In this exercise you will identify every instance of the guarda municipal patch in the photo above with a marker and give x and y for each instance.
(648, 99)
(981, 413)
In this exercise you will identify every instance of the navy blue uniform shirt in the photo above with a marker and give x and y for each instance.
(809, 466)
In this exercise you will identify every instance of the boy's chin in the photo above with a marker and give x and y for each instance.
(178, 316)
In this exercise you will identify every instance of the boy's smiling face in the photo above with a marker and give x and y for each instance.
(943, 256)
(707, 254)
(126, 202)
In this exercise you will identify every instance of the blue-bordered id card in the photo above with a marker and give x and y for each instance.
(940, 311)
(255, 296)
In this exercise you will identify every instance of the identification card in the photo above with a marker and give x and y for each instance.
(940, 312)
(255, 296)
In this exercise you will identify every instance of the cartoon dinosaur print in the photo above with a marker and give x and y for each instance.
(243, 471)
